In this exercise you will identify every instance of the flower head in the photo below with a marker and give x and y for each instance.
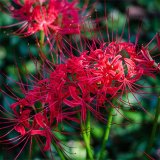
(53, 17)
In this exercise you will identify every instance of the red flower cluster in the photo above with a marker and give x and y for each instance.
(50, 16)
(82, 84)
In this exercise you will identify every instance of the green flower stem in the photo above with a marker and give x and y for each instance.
(88, 126)
(106, 134)
(86, 136)
(42, 36)
(60, 153)
(88, 129)
(41, 43)
(88, 147)
(154, 128)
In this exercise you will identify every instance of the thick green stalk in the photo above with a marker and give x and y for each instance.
(88, 126)
(154, 128)
(86, 138)
(106, 134)
(41, 43)
(88, 147)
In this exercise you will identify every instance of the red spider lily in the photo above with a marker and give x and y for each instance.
(29, 126)
(30, 120)
(134, 64)
(110, 70)
(53, 17)
(104, 73)
(82, 84)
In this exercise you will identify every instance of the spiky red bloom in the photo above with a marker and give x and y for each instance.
(95, 77)
(81, 84)
(29, 125)
(88, 81)
(40, 112)
(53, 17)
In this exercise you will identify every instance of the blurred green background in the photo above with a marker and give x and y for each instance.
(127, 142)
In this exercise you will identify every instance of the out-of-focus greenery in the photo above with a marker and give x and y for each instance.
(128, 139)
